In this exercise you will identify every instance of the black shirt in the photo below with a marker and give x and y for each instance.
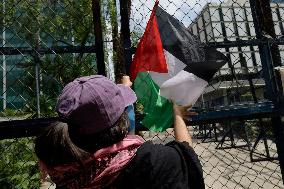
(174, 165)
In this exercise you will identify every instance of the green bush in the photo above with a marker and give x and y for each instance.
(18, 164)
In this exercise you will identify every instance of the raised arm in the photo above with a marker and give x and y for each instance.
(180, 130)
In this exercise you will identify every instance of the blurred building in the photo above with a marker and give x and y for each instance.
(232, 21)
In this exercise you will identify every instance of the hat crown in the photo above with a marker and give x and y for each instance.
(93, 103)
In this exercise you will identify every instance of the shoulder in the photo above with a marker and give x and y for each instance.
(159, 165)
(173, 150)
(191, 163)
(186, 151)
(174, 154)
(157, 154)
(162, 166)
(176, 163)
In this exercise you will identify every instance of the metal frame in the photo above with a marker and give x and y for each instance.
(96, 7)
(273, 108)
(50, 50)
(229, 133)
(209, 117)
(261, 11)
(264, 157)
(125, 31)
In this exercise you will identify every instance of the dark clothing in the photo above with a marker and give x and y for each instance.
(174, 165)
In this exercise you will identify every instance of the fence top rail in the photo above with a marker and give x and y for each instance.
(46, 50)
(92, 49)
(33, 127)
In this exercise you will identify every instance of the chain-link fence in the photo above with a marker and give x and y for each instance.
(235, 153)
(46, 44)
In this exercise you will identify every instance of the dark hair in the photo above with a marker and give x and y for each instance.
(54, 146)
(60, 144)
(93, 142)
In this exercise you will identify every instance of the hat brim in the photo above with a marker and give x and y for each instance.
(128, 94)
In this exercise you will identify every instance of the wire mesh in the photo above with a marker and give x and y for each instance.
(229, 164)
(32, 81)
(229, 150)
(18, 164)
(234, 154)
(33, 73)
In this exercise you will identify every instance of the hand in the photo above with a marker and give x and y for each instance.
(183, 111)
(126, 81)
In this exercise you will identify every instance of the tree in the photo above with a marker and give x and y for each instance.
(42, 24)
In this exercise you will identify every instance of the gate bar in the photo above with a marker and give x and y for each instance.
(96, 7)
(269, 54)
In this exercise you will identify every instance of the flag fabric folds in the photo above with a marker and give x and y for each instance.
(170, 64)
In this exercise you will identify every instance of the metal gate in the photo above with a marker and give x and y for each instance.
(238, 133)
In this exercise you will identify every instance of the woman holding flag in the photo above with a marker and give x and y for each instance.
(90, 148)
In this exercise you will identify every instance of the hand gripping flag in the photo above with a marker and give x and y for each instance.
(170, 64)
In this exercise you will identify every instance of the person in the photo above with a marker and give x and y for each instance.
(90, 147)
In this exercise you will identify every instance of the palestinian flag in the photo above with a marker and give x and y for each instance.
(170, 64)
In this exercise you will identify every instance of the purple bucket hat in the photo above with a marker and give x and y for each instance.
(93, 103)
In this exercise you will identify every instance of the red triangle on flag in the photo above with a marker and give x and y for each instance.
(149, 54)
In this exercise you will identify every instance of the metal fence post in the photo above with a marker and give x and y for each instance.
(127, 54)
(96, 8)
(262, 17)
(37, 77)
(230, 64)
(125, 31)
(4, 79)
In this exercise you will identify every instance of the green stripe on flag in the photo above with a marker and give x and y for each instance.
(157, 109)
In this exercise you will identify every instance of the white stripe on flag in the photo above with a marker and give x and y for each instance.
(174, 67)
(178, 85)
(184, 89)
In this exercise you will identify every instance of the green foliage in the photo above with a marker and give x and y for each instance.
(135, 37)
(13, 113)
(18, 164)
(57, 71)
(33, 24)
(42, 24)
(51, 23)
(139, 107)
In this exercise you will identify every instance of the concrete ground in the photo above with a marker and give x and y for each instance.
(231, 168)
(227, 168)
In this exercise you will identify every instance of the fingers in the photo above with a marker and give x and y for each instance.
(177, 109)
(126, 81)
(184, 111)
(188, 106)
(190, 113)
(126, 77)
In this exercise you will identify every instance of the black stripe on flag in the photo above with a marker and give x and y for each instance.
(202, 61)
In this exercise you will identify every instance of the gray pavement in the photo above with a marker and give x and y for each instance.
(231, 168)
